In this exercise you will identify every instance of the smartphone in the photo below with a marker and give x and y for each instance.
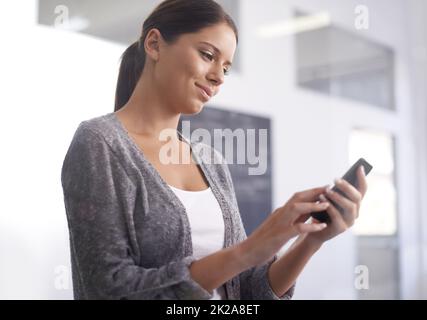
(351, 177)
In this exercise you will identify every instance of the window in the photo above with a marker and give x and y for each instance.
(376, 228)
(378, 212)
(340, 63)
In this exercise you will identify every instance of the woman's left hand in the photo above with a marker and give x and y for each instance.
(341, 221)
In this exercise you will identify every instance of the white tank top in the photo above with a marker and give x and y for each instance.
(206, 224)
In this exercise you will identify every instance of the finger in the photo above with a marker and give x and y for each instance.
(323, 198)
(350, 208)
(309, 195)
(302, 208)
(346, 209)
(351, 192)
(336, 218)
(363, 185)
(303, 217)
(310, 227)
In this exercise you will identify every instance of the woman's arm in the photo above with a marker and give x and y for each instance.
(285, 222)
(215, 269)
(283, 273)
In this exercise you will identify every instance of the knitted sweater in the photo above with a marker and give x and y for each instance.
(130, 236)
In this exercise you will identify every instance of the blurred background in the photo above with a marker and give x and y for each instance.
(336, 80)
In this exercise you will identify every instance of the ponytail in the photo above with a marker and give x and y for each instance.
(131, 66)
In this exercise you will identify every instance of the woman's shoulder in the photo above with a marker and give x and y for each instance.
(94, 138)
(101, 126)
(102, 130)
(91, 158)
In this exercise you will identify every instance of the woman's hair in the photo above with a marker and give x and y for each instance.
(172, 18)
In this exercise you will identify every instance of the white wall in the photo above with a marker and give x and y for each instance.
(417, 28)
(51, 80)
(50, 89)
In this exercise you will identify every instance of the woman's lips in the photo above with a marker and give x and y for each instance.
(203, 92)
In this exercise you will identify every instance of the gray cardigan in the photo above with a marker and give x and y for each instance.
(130, 236)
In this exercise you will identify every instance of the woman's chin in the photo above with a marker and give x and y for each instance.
(195, 110)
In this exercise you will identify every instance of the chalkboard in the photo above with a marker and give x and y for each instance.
(253, 192)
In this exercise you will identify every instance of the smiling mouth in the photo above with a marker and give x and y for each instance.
(204, 94)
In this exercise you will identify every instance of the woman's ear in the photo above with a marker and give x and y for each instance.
(152, 44)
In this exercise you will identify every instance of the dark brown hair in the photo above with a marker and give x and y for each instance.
(172, 18)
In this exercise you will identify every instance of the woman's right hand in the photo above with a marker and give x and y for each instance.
(282, 225)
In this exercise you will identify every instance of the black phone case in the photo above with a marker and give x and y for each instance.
(351, 177)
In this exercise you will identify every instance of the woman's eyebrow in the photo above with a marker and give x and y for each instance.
(216, 50)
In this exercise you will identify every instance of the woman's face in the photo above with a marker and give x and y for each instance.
(192, 63)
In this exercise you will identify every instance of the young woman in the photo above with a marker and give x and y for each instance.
(141, 228)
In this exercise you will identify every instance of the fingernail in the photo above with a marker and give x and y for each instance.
(323, 225)
(325, 204)
(363, 170)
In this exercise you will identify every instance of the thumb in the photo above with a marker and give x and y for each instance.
(310, 227)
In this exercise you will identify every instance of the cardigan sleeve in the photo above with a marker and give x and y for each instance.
(99, 200)
(254, 283)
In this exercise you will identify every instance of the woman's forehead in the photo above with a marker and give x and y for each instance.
(220, 38)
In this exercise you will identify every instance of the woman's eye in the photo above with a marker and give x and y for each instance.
(211, 58)
(207, 55)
